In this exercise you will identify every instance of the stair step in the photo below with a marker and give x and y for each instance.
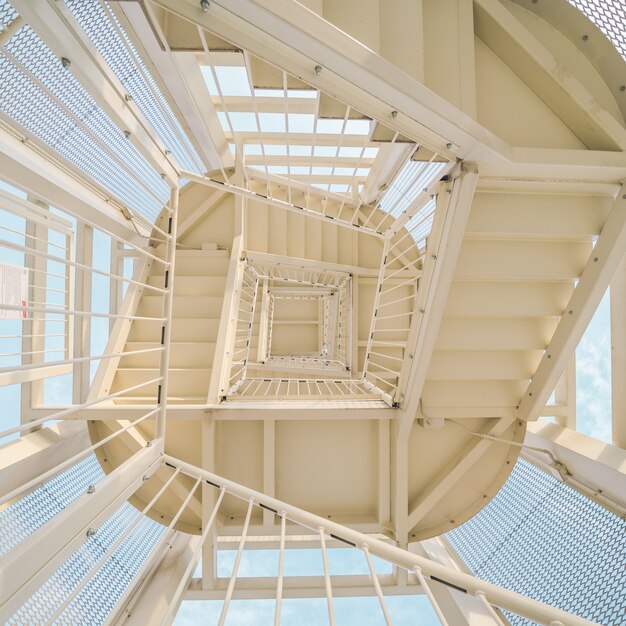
(204, 264)
(182, 355)
(182, 382)
(192, 285)
(183, 307)
(183, 329)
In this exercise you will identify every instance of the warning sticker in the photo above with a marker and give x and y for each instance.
(13, 291)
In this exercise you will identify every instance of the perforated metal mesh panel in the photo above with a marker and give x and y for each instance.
(609, 16)
(7, 14)
(107, 34)
(50, 103)
(543, 539)
(32, 511)
(100, 595)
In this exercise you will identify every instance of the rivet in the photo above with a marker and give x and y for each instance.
(570, 312)
(394, 114)
(622, 87)
(530, 394)
(318, 69)
(148, 444)
(91, 489)
(65, 62)
(585, 37)
(91, 532)
(127, 134)
(595, 259)
(549, 356)
(448, 146)
(128, 97)
(205, 6)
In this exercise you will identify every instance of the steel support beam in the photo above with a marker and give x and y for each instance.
(36, 558)
(592, 285)
(27, 168)
(455, 471)
(595, 468)
(546, 75)
(56, 25)
(38, 452)
(158, 594)
(295, 39)
(618, 356)
(439, 266)
(182, 82)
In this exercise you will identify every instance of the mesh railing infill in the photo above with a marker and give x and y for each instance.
(93, 604)
(541, 538)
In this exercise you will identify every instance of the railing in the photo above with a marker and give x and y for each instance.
(304, 389)
(426, 571)
(248, 290)
(394, 310)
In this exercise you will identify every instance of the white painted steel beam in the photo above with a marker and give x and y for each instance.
(36, 558)
(183, 84)
(618, 356)
(33, 454)
(440, 263)
(297, 40)
(25, 167)
(547, 76)
(595, 468)
(82, 324)
(56, 25)
(233, 411)
(592, 285)
(105, 373)
(455, 471)
(157, 595)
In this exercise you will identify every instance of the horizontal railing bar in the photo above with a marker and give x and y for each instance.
(75, 264)
(74, 409)
(30, 309)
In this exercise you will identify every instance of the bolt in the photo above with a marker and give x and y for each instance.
(91, 532)
(570, 312)
(65, 62)
(91, 489)
(205, 6)
(128, 97)
(145, 478)
(127, 134)
(448, 146)
(148, 444)
(622, 87)
(595, 259)
(585, 37)
(318, 69)
(394, 114)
